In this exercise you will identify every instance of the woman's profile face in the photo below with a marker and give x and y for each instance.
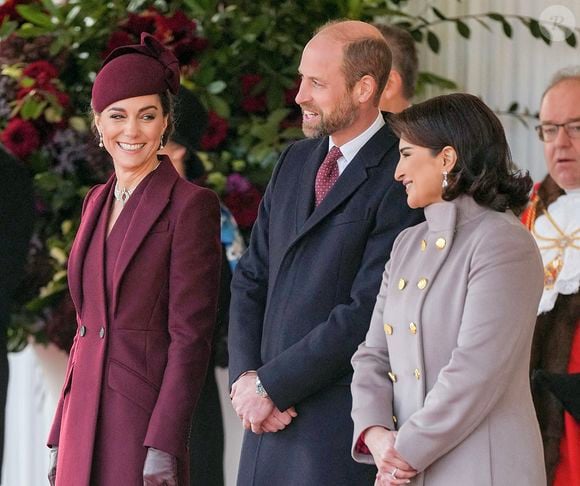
(421, 173)
(132, 129)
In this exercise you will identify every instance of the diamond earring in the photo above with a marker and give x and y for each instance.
(445, 182)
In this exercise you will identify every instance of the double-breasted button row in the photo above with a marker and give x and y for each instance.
(393, 377)
(421, 283)
(389, 330)
(83, 331)
(440, 244)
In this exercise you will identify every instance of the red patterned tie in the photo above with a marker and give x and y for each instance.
(327, 174)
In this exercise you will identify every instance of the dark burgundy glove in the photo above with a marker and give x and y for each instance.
(160, 469)
(52, 456)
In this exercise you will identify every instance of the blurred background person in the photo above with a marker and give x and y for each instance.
(441, 386)
(16, 218)
(402, 81)
(206, 442)
(554, 220)
(143, 275)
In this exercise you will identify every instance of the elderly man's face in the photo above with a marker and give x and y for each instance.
(328, 108)
(561, 104)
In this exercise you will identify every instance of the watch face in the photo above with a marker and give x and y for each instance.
(260, 390)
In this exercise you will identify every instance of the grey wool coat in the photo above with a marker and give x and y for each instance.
(446, 358)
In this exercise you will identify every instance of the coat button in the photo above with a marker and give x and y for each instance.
(102, 332)
(417, 374)
(422, 283)
(413, 328)
(395, 419)
(440, 243)
(388, 329)
(402, 283)
(423, 245)
(392, 376)
(82, 331)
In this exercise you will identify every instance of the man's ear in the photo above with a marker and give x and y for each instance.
(366, 88)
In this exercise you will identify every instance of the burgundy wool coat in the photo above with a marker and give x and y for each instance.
(138, 363)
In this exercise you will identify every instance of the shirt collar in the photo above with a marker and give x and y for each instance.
(351, 148)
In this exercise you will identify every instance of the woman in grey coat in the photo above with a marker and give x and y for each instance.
(440, 390)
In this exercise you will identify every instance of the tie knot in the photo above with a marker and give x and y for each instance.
(334, 154)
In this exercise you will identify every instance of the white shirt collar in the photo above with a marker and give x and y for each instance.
(351, 148)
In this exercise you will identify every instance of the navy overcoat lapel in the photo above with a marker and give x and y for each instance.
(370, 155)
(305, 202)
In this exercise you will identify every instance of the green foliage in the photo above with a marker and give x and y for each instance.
(246, 77)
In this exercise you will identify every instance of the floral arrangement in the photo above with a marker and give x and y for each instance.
(240, 57)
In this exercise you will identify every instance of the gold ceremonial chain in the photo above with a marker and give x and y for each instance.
(553, 268)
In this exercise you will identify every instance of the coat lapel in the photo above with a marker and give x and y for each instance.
(151, 205)
(306, 183)
(370, 155)
(95, 203)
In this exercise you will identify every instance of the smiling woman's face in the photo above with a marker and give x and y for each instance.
(421, 173)
(132, 129)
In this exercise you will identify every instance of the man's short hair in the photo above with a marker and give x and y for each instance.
(362, 56)
(564, 74)
(404, 51)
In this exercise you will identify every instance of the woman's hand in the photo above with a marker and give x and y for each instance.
(392, 468)
(160, 468)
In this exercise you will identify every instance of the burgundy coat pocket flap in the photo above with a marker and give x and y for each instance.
(161, 226)
(132, 386)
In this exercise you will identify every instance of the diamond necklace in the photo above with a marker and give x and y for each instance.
(123, 194)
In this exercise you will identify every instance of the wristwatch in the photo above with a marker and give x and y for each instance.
(260, 390)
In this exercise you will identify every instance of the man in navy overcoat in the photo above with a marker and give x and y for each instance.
(303, 294)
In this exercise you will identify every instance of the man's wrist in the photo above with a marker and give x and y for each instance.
(260, 390)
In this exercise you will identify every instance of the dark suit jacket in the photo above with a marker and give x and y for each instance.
(16, 216)
(135, 383)
(302, 298)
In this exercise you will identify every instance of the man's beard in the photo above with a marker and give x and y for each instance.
(343, 116)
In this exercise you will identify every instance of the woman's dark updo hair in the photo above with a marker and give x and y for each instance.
(484, 168)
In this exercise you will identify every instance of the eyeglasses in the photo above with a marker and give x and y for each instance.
(547, 132)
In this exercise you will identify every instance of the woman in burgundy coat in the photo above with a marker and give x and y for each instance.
(143, 274)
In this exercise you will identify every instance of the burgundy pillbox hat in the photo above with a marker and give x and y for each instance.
(135, 70)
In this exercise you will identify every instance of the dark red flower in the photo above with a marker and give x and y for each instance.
(199, 44)
(249, 81)
(143, 22)
(244, 206)
(118, 39)
(20, 137)
(254, 100)
(216, 132)
(254, 104)
(8, 9)
(42, 71)
(178, 22)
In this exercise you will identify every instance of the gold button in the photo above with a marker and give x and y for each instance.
(417, 374)
(395, 419)
(423, 245)
(402, 283)
(422, 283)
(392, 376)
(413, 328)
(388, 329)
(440, 243)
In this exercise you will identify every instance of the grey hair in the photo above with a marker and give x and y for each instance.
(564, 74)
